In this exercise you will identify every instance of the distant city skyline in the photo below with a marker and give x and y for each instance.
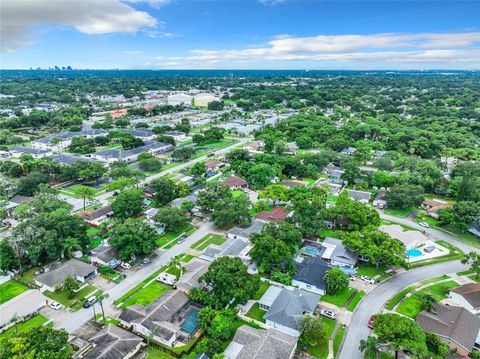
(250, 34)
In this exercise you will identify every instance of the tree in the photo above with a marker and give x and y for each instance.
(465, 213)
(227, 279)
(128, 204)
(27, 186)
(166, 190)
(309, 210)
(435, 345)
(216, 105)
(271, 255)
(218, 324)
(171, 217)
(312, 329)
(198, 169)
(336, 281)
(233, 211)
(183, 153)
(214, 195)
(70, 286)
(166, 139)
(352, 215)
(404, 196)
(473, 260)
(8, 259)
(260, 175)
(427, 301)
(274, 192)
(285, 232)
(370, 346)
(378, 247)
(100, 299)
(133, 237)
(398, 332)
(85, 192)
(151, 164)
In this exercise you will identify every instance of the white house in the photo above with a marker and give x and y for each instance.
(467, 296)
(177, 136)
(34, 152)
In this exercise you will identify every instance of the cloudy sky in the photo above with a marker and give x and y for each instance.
(246, 34)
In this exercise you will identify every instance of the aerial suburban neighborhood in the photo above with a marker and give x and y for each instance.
(237, 214)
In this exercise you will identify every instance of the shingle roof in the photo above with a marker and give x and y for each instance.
(251, 343)
(234, 181)
(471, 293)
(359, 195)
(312, 271)
(105, 253)
(339, 252)
(195, 269)
(99, 212)
(289, 307)
(276, 214)
(254, 227)
(451, 322)
(72, 267)
(232, 247)
(70, 159)
(32, 151)
(113, 343)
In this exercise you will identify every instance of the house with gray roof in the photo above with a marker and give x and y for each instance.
(455, 326)
(251, 343)
(114, 342)
(104, 255)
(79, 270)
(310, 274)
(70, 159)
(286, 308)
(168, 318)
(193, 271)
(113, 154)
(232, 247)
(337, 255)
(55, 142)
(245, 233)
(36, 153)
(359, 196)
(467, 296)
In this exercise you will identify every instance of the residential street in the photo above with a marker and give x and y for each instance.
(374, 301)
(77, 319)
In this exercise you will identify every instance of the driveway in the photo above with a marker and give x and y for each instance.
(75, 320)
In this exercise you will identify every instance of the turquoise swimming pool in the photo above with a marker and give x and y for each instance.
(310, 251)
(190, 324)
(414, 253)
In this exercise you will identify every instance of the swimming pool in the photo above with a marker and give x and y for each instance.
(190, 324)
(414, 253)
(310, 251)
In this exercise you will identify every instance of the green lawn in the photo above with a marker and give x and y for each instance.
(154, 352)
(370, 270)
(237, 193)
(92, 231)
(340, 299)
(399, 212)
(464, 236)
(309, 180)
(61, 296)
(146, 295)
(256, 313)
(338, 339)
(321, 349)
(261, 291)
(354, 302)
(412, 305)
(33, 322)
(474, 277)
(29, 275)
(398, 297)
(174, 271)
(332, 233)
(169, 236)
(207, 240)
(11, 289)
(185, 258)
(95, 242)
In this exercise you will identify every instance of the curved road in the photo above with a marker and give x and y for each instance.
(374, 301)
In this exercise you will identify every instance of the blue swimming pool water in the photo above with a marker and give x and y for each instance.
(190, 324)
(310, 251)
(414, 253)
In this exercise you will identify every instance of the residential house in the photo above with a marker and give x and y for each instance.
(286, 308)
(432, 206)
(475, 229)
(276, 214)
(97, 216)
(294, 183)
(247, 130)
(337, 255)
(245, 233)
(235, 182)
(410, 239)
(359, 196)
(232, 247)
(292, 148)
(55, 142)
(310, 274)
(455, 326)
(64, 160)
(127, 156)
(177, 202)
(114, 342)
(254, 146)
(15, 202)
(177, 136)
(143, 133)
(348, 151)
(79, 270)
(251, 343)
(467, 296)
(34, 152)
(105, 255)
(23, 306)
(163, 319)
(193, 271)
(214, 166)
(380, 201)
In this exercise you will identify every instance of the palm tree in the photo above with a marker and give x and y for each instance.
(13, 320)
(86, 193)
(175, 262)
(100, 298)
(69, 245)
(94, 314)
(371, 345)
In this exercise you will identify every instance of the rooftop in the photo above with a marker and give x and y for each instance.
(72, 267)
(254, 227)
(234, 181)
(274, 215)
(312, 271)
(113, 342)
(471, 293)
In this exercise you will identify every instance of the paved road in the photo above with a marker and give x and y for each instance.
(75, 320)
(374, 301)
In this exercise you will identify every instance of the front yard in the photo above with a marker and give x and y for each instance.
(11, 289)
(340, 299)
(33, 322)
(146, 295)
(62, 298)
(207, 240)
(167, 239)
(320, 350)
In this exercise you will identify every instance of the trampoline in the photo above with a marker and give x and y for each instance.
(190, 324)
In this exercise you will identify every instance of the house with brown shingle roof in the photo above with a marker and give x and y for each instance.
(455, 326)
(97, 216)
(235, 182)
(276, 214)
(467, 296)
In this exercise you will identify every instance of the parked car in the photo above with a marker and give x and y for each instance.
(424, 224)
(181, 239)
(145, 261)
(351, 277)
(126, 265)
(89, 302)
(55, 305)
(370, 322)
(368, 279)
(328, 313)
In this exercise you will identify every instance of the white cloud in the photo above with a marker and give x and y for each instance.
(18, 17)
(270, 2)
(421, 48)
(153, 3)
(132, 52)
(162, 34)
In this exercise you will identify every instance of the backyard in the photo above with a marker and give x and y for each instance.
(256, 313)
(207, 240)
(11, 289)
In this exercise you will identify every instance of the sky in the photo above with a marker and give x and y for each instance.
(247, 34)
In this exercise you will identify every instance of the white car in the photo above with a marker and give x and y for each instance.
(126, 265)
(423, 224)
(55, 305)
(328, 313)
(368, 279)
